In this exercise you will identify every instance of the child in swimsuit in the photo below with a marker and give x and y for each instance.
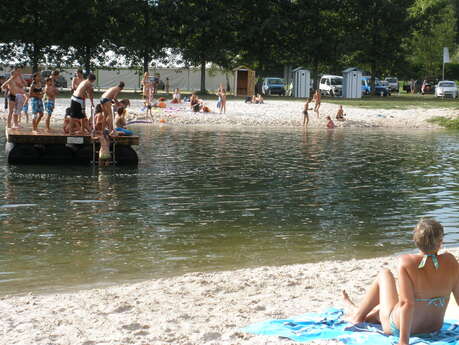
(50, 94)
(104, 151)
(305, 113)
(25, 109)
(426, 281)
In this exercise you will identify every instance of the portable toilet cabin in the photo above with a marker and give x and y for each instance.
(352, 83)
(301, 82)
(244, 81)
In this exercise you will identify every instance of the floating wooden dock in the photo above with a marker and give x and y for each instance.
(26, 147)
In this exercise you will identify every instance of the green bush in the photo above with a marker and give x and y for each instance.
(450, 123)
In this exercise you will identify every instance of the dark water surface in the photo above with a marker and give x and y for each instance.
(216, 199)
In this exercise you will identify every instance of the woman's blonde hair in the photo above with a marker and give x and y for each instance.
(428, 234)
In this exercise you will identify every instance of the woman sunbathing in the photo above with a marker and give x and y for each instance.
(426, 281)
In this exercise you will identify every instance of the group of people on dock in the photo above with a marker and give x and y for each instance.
(41, 97)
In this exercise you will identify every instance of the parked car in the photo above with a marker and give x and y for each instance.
(446, 88)
(60, 81)
(27, 78)
(427, 87)
(331, 85)
(381, 86)
(273, 86)
(393, 84)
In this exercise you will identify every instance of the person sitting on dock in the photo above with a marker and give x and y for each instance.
(121, 123)
(36, 100)
(50, 95)
(106, 100)
(77, 105)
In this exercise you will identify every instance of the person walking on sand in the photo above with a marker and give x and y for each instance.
(50, 100)
(317, 97)
(305, 112)
(426, 281)
(36, 101)
(109, 97)
(78, 114)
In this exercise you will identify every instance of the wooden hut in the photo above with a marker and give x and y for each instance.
(244, 81)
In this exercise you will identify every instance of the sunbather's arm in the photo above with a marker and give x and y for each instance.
(406, 305)
(456, 284)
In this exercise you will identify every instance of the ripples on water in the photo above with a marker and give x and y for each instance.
(211, 199)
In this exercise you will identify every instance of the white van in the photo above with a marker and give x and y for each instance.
(331, 85)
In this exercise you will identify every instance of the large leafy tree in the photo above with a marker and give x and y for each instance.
(205, 32)
(434, 28)
(378, 28)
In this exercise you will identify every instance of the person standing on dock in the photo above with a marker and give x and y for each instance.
(15, 85)
(85, 88)
(77, 79)
(36, 100)
(50, 100)
(106, 100)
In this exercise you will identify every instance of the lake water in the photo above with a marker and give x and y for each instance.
(218, 199)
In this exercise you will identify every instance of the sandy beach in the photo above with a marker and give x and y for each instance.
(279, 113)
(196, 308)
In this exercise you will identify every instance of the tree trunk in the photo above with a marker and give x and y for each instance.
(315, 75)
(203, 77)
(35, 58)
(146, 61)
(87, 59)
(373, 79)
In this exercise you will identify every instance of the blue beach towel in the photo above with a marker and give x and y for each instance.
(330, 325)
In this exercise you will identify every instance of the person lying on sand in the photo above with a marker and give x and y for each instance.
(426, 281)
(340, 114)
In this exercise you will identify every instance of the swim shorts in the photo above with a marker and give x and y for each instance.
(12, 97)
(105, 100)
(25, 108)
(49, 106)
(37, 105)
(19, 103)
(76, 105)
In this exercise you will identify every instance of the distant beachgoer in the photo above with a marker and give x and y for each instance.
(222, 95)
(78, 113)
(77, 79)
(147, 89)
(340, 114)
(330, 123)
(259, 99)
(195, 103)
(106, 100)
(426, 281)
(166, 85)
(50, 100)
(305, 112)
(176, 97)
(413, 86)
(317, 99)
(36, 100)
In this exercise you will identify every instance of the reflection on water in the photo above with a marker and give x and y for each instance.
(212, 199)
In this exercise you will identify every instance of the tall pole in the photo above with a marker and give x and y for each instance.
(443, 75)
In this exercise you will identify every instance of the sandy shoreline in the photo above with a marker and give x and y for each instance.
(279, 113)
(196, 308)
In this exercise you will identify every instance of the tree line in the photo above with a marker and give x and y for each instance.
(384, 37)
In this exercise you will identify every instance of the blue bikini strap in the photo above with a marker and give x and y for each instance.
(434, 260)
